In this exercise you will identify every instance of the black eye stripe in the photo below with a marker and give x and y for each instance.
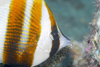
(55, 42)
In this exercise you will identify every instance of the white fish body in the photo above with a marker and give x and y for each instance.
(28, 32)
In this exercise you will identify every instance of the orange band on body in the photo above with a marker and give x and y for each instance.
(34, 28)
(15, 52)
(14, 30)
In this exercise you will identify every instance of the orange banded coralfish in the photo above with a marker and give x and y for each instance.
(28, 33)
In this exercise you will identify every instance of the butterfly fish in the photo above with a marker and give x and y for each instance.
(29, 33)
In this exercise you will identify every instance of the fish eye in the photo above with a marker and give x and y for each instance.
(54, 35)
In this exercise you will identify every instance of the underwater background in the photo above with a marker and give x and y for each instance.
(73, 18)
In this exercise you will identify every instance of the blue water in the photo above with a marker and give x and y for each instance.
(73, 16)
